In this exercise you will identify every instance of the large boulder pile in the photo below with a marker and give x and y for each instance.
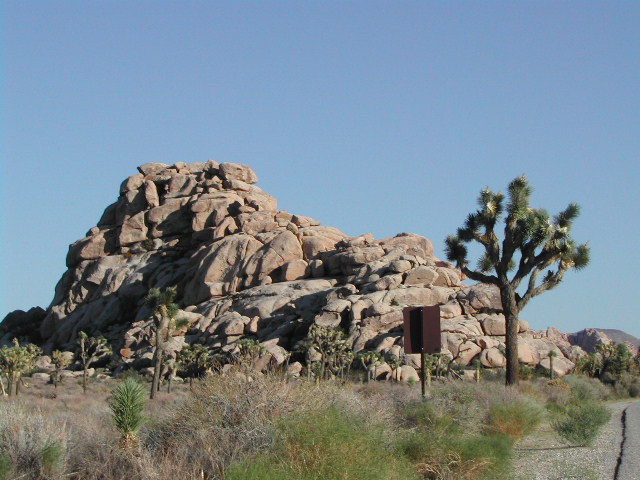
(243, 268)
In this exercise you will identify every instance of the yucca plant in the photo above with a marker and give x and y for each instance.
(127, 403)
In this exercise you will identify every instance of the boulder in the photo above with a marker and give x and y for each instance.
(493, 358)
(236, 171)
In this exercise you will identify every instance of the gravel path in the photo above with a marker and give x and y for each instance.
(630, 461)
(543, 456)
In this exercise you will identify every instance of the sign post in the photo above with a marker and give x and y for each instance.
(422, 335)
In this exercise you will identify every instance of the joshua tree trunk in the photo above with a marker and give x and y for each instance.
(162, 324)
(84, 380)
(510, 310)
(10, 382)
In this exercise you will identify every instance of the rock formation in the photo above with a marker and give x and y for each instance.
(243, 268)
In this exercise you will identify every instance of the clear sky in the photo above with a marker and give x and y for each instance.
(379, 117)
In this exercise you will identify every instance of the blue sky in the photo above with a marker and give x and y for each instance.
(379, 117)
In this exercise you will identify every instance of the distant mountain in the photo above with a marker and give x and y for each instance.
(619, 336)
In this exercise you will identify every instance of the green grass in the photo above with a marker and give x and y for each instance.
(326, 445)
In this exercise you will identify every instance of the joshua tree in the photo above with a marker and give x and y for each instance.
(60, 361)
(91, 349)
(478, 373)
(15, 361)
(552, 354)
(589, 364)
(164, 312)
(127, 403)
(249, 351)
(332, 347)
(195, 360)
(534, 245)
(394, 362)
(368, 359)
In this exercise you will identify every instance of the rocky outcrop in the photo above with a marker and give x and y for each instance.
(588, 339)
(243, 268)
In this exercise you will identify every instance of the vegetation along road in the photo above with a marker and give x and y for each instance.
(613, 456)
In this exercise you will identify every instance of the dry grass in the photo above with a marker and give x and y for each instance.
(237, 419)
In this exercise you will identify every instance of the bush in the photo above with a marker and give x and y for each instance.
(581, 423)
(328, 444)
(455, 456)
(627, 386)
(584, 389)
(30, 445)
(515, 419)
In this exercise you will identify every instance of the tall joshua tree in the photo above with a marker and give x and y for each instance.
(164, 312)
(535, 252)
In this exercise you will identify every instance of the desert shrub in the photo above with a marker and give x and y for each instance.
(131, 373)
(455, 456)
(527, 372)
(5, 467)
(586, 389)
(443, 446)
(556, 391)
(31, 446)
(627, 386)
(425, 416)
(328, 444)
(514, 419)
(582, 422)
(228, 418)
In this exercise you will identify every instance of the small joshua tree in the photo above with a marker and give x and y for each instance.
(368, 359)
(91, 349)
(333, 348)
(552, 354)
(536, 249)
(164, 312)
(16, 361)
(127, 403)
(60, 361)
(478, 370)
(395, 363)
(195, 360)
(249, 351)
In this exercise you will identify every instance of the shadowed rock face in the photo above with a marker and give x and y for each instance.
(244, 268)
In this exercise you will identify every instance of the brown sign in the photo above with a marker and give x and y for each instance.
(422, 329)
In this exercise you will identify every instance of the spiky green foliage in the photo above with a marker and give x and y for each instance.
(15, 361)
(127, 404)
(90, 350)
(535, 252)
(195, 360)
